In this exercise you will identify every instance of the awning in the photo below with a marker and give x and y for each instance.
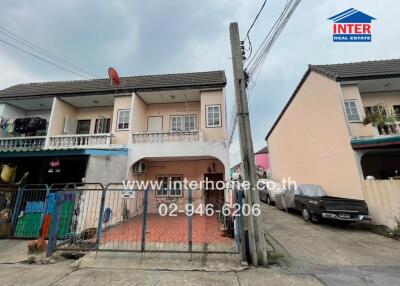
(375, 142)
(71, 152)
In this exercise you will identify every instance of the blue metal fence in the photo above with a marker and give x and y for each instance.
(106, 218)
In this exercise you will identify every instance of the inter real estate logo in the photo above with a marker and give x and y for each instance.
(352, 26)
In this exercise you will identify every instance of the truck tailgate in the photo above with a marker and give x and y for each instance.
(333, 204)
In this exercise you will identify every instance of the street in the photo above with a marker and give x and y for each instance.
(307, 254)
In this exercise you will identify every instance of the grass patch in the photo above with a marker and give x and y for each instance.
(275, 258)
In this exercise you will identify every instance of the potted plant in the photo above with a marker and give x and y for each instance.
(391, 121)
(377, 120)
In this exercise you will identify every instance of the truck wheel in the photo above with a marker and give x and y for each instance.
(305, 213)
(269, 202)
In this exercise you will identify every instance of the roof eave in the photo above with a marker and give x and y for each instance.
(110, 91)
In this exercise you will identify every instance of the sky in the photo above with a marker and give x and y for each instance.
(153, 37)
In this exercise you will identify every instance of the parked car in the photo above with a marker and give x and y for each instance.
(315, 204)
(269, 189)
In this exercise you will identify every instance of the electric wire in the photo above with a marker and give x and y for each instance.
(42, 59)
(44, 52)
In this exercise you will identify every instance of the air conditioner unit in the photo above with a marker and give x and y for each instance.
(139, 167)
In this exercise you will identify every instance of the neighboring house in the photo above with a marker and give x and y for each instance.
(320, 136)
(262, 161)
(155, 127)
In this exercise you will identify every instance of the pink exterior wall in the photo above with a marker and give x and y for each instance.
(262, 160)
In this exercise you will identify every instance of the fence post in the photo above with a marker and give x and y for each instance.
(190, 217)
(101, 215)
(55, 221)
(240, 229)
(17, 209)
(145, 197)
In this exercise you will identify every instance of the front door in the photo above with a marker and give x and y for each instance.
(213, 196)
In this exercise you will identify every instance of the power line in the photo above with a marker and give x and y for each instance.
(251, 26)
(40, 58)
(44, 52)
(255, 64)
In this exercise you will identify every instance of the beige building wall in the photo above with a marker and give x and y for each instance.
(215, 97)
(120, 103)
(170, 109)
(192, 170)
(92, 114)
(60, 110)
(138, 118)
(351, 92)
(387, 99)
(311, 142)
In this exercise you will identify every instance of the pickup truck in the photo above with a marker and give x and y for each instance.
(334, 208)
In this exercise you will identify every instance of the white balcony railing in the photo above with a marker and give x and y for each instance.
(79, 140)
(172, 136)
(22, 143)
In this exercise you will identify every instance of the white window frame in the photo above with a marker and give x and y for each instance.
(356, 108)
(182, 123)
(218, 114)
(166, 192)
(125, 117)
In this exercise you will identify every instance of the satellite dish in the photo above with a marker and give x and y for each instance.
(114, 77)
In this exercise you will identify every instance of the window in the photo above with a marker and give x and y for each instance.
(171, 186)
(83, 127)
(154, 123)
(213, 116)
(352, 110)
(123, 120)
(396, 109)
(183, 122)
(379, 108)
(102, 126)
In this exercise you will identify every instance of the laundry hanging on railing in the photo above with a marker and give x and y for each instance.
(29, 125)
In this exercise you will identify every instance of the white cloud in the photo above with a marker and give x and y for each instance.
(12, 73)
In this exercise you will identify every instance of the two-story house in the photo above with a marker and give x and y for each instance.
(340, 129)
(156, 127)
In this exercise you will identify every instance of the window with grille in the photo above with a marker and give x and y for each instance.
(183, 122)
(170, 186)
(123, 120)
(213, 116)
(379, 108)
(102, 126)
(352, 111)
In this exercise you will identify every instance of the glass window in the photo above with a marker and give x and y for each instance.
(102, 126)
(352, 110)
(213, 116)
(123, 119)
(379, 108)
(183, 123)
(170, 186)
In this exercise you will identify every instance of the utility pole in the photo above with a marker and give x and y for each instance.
(258, 251)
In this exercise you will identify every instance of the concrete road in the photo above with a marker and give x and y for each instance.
(314, 255)
(334, 254)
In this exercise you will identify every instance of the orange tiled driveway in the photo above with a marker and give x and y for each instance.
(167, 229)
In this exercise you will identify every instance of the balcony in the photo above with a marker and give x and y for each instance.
(162, 137)
(22, 143)
(78, 141)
